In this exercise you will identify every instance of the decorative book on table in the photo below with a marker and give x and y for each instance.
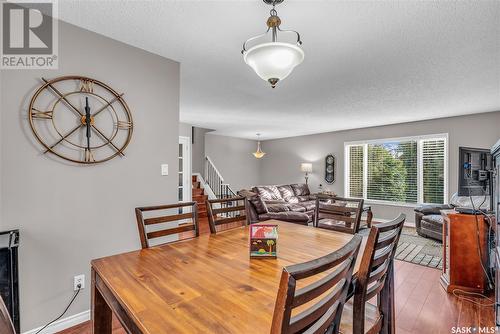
(263, 240)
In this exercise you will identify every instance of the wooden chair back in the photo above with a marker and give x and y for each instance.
(376, 264)
(185, 224)
(6, 326)
(344, 215)
(321, 302)
(226, 213)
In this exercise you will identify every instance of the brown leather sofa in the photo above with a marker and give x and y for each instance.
(291, 202)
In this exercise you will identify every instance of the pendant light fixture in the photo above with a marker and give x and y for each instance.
(259, 153)
(273, 61)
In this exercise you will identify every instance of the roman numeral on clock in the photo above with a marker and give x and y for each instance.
(123, 125)
(86, 86)
(41, 114)
(89, 157)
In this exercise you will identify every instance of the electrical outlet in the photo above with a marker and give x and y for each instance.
(78, 280)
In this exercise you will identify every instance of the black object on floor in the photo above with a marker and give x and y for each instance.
(9, 279)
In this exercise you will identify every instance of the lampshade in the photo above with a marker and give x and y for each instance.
(306, 167)
(274, 61)
(259, 153)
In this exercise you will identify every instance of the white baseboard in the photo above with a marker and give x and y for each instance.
(63, 324)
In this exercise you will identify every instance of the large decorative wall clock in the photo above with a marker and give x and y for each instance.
(80, 119)
(330, 168)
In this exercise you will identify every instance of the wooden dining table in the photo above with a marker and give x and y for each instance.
(207, 284)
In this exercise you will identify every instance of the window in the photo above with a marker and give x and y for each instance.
(408, 170)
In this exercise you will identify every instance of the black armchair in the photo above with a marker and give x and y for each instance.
(429, 222)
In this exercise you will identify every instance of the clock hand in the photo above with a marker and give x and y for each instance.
(74, 109)
(87, 121)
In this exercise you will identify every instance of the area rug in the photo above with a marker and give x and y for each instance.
(416, 249)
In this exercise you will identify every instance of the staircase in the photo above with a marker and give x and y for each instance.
(215, 181)
(199, 197)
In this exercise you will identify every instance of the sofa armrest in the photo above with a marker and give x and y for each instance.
(418, 219)
(433, 209)
(251, 213)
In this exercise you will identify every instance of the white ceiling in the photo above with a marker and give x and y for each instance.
(367, 62)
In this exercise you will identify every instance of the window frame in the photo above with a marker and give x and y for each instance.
(420, 182)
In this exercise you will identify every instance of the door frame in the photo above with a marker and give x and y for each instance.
(186, 169)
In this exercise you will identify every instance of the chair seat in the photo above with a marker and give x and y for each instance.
(331, 223)
(371, 316)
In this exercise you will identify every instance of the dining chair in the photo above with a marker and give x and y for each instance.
(173, 221)
(317, 307)
(343, 215)
(226, 213)
(375, 273)
(6, 326)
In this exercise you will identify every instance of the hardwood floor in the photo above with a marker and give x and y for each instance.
(422, 305)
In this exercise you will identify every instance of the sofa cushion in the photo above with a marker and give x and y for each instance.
(289, 216)
(258, 204)
(296, 207)
(277, 207)
(268, 192)
(433, 219)
(308, 205)
(301, 189)
(304, 198)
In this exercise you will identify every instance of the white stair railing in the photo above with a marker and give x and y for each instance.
(215, 181)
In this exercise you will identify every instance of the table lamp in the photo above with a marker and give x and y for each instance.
(306, 167)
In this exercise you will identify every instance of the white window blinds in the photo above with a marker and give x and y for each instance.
(406, 170)
(356, 171)
(433, 155)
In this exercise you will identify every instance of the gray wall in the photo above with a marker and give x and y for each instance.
(281, 164)
(234, 160)
(70, 214)
(197, 148)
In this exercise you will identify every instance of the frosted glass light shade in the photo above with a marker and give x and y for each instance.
(306, 167)
(259, 153)
(274, 61)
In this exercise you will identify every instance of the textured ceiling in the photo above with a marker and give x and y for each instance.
(367, 63)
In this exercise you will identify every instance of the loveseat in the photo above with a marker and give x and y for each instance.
(429, 222)
(289, 202)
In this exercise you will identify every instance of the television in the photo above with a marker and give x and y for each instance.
(474, 171)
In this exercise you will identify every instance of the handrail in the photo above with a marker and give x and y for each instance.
(229, 191)
(213, 178)
(215, 168)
